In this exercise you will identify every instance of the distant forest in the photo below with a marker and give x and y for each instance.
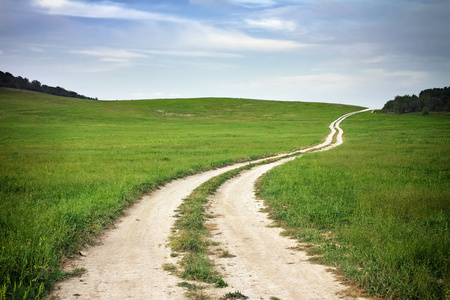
(437, 99)
(10, 81)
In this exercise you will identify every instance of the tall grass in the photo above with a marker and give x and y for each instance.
(377, 207)
(68, 167)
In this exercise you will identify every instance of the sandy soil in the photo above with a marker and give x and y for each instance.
(127, 262)
(264, 263)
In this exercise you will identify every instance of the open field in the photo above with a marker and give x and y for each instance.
(68, 167)
(377, 207)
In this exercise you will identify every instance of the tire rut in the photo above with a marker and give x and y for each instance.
(127, 261)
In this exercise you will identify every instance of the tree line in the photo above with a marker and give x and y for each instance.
(10, 81)
(436, 99)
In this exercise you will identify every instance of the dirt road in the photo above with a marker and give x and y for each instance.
(127, 263)
(264, 263)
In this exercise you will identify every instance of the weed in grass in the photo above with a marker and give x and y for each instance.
(220, 283)
(77, 272)
(194, 290)
(189, 241)
(191, 233)
(189, 286)
(197, 266)
(197, 295)
(234, 295)
(171, 268)
(226, 254)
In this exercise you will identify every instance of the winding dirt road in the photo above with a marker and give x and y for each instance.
(266, 264)
(127, 262)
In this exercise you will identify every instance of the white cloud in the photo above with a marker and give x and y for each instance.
(323, 81)
(206, 37)
(101, 10)
(207, 2)
(245, 3)
(375, 59)
(191, 37)
(36, 49)
(343, 82)
(272, 24)
(240, 41)
(401, 77)
(111, 55)
(253, 3)
(367, 87)
(194, 53)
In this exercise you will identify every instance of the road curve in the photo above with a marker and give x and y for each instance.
(127, 261)
(265, 264)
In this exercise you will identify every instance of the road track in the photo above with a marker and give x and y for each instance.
(127, 261)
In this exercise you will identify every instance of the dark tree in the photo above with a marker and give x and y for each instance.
(8, 80)
(36, 86)
(437, 99)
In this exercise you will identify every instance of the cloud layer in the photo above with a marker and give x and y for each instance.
(336, 51)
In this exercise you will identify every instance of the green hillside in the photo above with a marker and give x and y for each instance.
(69, 166)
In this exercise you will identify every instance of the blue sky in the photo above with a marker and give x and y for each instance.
(339, 51)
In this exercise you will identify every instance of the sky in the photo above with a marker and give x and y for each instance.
(359, 52)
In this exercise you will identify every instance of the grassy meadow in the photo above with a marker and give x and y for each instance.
(68, 167)
(377, 207)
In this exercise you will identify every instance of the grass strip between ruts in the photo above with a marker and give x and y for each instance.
(190, 235)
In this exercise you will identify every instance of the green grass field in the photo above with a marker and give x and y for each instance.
(68, 167)
(377, 207)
